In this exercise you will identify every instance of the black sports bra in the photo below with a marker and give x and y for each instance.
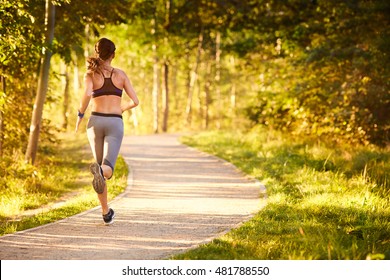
(108, 88)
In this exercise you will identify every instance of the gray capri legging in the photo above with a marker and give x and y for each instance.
(105, 134)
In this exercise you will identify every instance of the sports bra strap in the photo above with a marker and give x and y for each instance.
(108, 88)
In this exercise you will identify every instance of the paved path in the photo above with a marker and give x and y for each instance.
(177, 198)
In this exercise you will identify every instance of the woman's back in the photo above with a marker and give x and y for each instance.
(107, 86)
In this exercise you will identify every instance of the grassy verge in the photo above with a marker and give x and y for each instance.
(30, 195)
(323, 203)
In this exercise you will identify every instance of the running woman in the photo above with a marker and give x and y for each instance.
(103, 86)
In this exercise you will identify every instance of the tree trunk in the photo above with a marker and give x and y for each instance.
(65, 82)
(155, 77)
(76, 77)
(174, 86)
(233, 88)
(193, 77)
(43, 80)
(207, 101)
(165, 97)
(2, 80)
(155, 91)
(200, 97)
(87, 33)
(135, 119)
(218, 77)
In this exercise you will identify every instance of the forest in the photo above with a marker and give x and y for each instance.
(294, 93)
(313, 69)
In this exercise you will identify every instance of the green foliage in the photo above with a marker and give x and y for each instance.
(335, 82)
(313, 68)
(19, 47)
(73, 17)
(21, 44)
(24, 186)
(323, 203)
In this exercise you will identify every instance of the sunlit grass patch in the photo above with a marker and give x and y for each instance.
(323, 202)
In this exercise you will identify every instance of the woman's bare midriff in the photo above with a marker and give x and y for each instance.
(107, 104)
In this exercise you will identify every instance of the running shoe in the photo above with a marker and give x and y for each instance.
(109, 217)
(98, 182)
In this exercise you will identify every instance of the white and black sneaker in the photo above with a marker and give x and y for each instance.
(109, 217)
(98, 182)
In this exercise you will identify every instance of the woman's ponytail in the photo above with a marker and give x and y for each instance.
(93, 64)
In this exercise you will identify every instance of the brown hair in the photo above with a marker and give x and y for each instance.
(104, 48)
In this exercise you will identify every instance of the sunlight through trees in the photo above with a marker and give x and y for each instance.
(316, 69)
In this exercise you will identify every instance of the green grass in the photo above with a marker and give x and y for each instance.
(61, 174)
(323, 203)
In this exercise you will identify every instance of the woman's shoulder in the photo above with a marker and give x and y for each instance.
(119, 71)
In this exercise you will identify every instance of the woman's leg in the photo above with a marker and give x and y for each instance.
(95, 136)
(112, 145)
(105, 136)
(95, 133)
(107, 171)
(103, 201)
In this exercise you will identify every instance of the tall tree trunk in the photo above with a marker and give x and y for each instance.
(174, 86)
(135, 119)
(218, 77)
(155, 76)
(43, 80)
(207, 101)
(2, 80)
(188, 80)
(199, 96)
(155, 91)
(233, 88)
(165, 97)
(65, 83)
(165, 94)
(76, 77)
(193, 77)
(87, 34)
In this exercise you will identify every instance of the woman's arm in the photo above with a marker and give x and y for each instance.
(131, 93)
(88, 84)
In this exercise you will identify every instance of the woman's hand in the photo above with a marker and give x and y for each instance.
(130, 105)
(78, 123)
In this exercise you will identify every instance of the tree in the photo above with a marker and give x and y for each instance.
(42, 84)
(2, 100)
(166, 91)
(193, 75)
(65, 82)
(327, 78)
(155, 74)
